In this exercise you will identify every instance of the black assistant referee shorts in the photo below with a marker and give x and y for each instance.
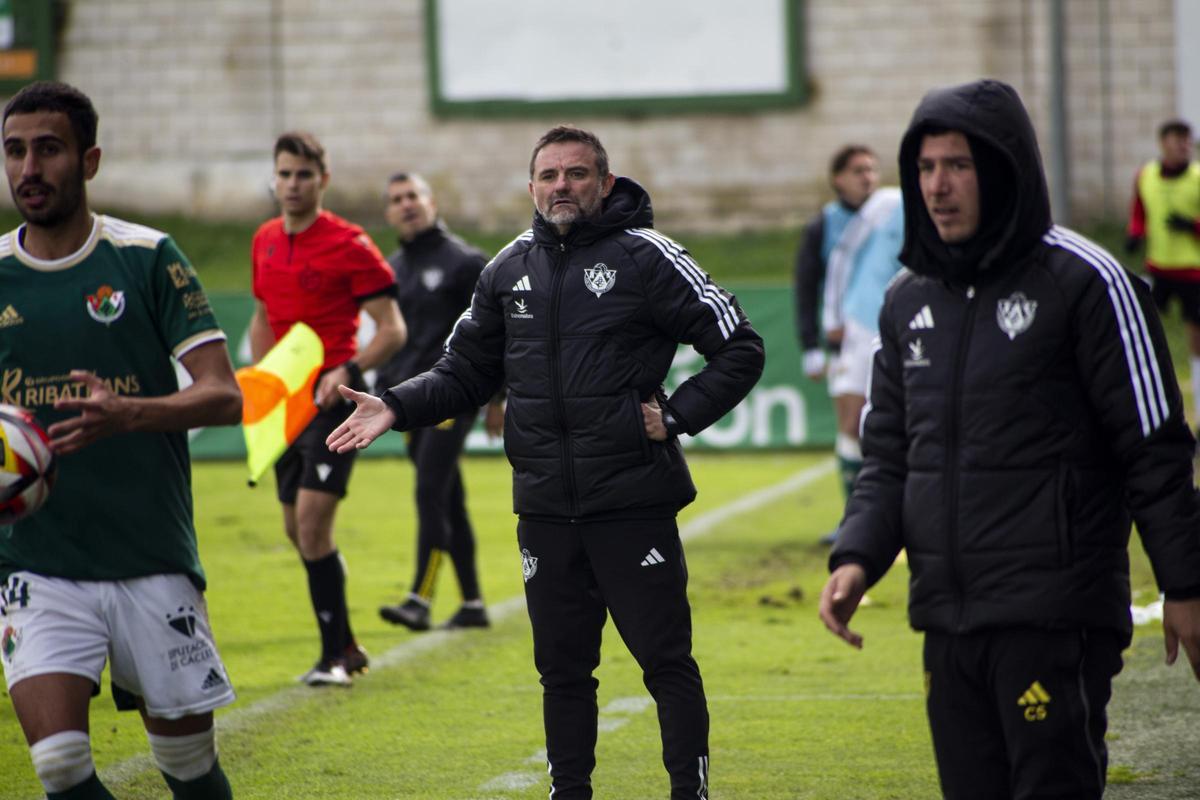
(1162, 289)
(309, 464)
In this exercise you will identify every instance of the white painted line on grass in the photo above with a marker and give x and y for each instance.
(702, 524)
(244, 716)
(823, 697)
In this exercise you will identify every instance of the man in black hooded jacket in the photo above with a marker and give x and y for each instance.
(580, 319)
(1009, 442)
(436, 273)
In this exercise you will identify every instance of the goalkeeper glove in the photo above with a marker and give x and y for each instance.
(1178, 222)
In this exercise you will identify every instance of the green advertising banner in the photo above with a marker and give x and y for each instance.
(26, 43)
(785, 409)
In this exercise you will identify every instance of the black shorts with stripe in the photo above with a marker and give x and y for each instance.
(1162, 289)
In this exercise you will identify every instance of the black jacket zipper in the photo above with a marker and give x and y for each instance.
(952, 459)
(564, 439)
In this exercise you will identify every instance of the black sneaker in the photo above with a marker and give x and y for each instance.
(467, 617)
(355, 660)
(326, 672)
(412, 614)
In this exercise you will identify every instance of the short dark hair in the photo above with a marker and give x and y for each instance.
(302, 144)
(61, 98)
(1178, 126)
(842, 157)
(417, 178)
(569, 133)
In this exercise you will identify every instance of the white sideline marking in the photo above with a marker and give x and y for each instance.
(823, 697)
(243, 717)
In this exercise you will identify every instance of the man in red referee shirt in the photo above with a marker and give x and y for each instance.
(312, 266)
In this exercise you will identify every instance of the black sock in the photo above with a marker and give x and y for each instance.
(91, 789)
(327, 588)
(348, 638)
(212, 785)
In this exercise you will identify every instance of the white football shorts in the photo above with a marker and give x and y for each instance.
(154, 631)
(849, 371)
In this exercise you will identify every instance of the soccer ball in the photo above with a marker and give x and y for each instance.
(27, 466)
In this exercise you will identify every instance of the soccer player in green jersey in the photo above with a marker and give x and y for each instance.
(108, 568)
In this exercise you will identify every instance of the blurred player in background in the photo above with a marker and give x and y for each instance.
(109, 567)
(314, 267)
(848, 257)
(1165, 215)
(436, 273)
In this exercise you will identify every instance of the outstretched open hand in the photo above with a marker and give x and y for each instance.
(370, 420)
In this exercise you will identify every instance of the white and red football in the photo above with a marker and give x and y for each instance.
(28, 465)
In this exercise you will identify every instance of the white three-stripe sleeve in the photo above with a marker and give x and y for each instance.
(876, 346)
(463, 317)
(1145, 377)
(706, 290)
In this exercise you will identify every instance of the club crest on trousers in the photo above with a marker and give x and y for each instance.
(528, 564)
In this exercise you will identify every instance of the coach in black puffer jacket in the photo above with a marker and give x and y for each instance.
(582, 329)
(1013, 439)
(1023, 410)
(580, 318)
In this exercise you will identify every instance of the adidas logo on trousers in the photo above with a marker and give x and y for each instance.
(652, 558)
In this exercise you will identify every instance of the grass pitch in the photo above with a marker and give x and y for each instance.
(795, 713)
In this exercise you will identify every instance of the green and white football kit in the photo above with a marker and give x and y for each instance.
(121, 509)
(162, 650)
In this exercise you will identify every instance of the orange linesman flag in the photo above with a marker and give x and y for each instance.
(277, 397)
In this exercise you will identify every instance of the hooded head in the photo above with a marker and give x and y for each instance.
(1012, 203)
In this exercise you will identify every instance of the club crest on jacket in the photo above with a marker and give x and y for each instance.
(599, 279)
(1015, 314)
(431, 278)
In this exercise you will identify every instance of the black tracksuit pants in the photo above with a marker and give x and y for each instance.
(576, 574)
(442, 522)
(1019, 714)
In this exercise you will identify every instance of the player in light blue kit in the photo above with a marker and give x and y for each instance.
(848, 258)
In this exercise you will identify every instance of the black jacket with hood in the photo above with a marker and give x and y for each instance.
(1022, 408)
(581, 329)
(436, 273)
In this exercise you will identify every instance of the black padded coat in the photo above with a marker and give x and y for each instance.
(1022, 411)
(581, 329)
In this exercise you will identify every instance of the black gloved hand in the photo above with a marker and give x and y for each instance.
(1178, 222)
(1132, 243)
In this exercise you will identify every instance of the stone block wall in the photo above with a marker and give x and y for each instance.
(192, 94)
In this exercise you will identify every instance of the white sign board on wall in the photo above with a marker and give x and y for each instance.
(509, 56)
